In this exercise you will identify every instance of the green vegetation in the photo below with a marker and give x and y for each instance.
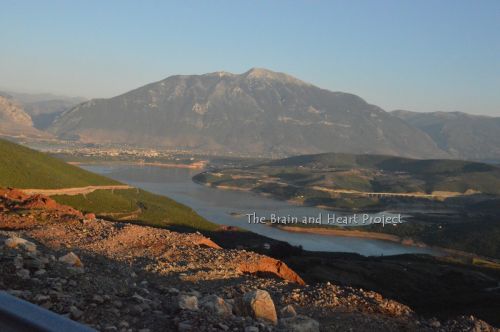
(472, 234)
(341, 180)
(390, 174)
(100, 202)
(469, 192)
(138, 206)
(21, 167)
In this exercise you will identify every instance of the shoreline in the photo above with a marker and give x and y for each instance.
(384, 237)
(346, 233)
(295, 202)
(137, 163)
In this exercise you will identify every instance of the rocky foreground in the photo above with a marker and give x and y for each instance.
(125, 277)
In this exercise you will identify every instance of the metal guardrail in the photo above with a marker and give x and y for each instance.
(17, 315)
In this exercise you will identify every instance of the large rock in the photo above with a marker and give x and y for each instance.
(17, 242)
(299, 323)
(217, 305)
(187, 302)
(259, 305)
(71, 259)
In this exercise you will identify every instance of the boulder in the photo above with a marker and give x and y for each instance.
(187, 302)
(259, 305)
(71, 259)
(216, 305)
(17, 242)
(299, 323)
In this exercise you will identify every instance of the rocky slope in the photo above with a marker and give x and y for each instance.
(122, 277)
(461, 135)
(43, 108)
(259, 112)
(14, 120)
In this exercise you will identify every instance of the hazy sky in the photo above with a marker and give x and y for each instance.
(419, 55)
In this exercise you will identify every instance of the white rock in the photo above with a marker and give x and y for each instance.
(71, 259)
(16, 242)
(260, 305)
(187, 302)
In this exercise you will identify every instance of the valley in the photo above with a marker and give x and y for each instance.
(445, 201)
(250, 166)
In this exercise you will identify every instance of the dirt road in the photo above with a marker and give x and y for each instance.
(73, 191)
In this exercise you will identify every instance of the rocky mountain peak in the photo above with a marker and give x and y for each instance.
(266, 74)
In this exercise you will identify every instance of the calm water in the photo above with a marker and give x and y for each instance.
(217, 205)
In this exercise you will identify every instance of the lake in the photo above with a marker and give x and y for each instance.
(228, 207)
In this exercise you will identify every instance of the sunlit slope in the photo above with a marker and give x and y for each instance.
(21, 167)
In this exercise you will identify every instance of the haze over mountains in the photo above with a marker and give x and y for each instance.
(461, 135)
(43, 108)
(259, 112)
(14, 120)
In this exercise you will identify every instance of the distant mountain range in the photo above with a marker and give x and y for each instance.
(461, 135)
(259, 112)
(14, 121)
(42, 109)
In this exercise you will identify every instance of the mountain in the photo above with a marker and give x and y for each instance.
(462, 135)
(13, 113)
(259, 112)
(14, 121)
(43, 108)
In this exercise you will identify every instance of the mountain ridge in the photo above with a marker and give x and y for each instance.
(462, 135)
(259, 112)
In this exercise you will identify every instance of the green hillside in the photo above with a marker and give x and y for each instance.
(21, 167)
(139, 206)
(361, 182)
(379, 173)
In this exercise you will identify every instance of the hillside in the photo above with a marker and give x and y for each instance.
(394, 174)
(367, 173)
(259, 112)
(21, 167)
(447, 199)
(119, 277)
(462, 135)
